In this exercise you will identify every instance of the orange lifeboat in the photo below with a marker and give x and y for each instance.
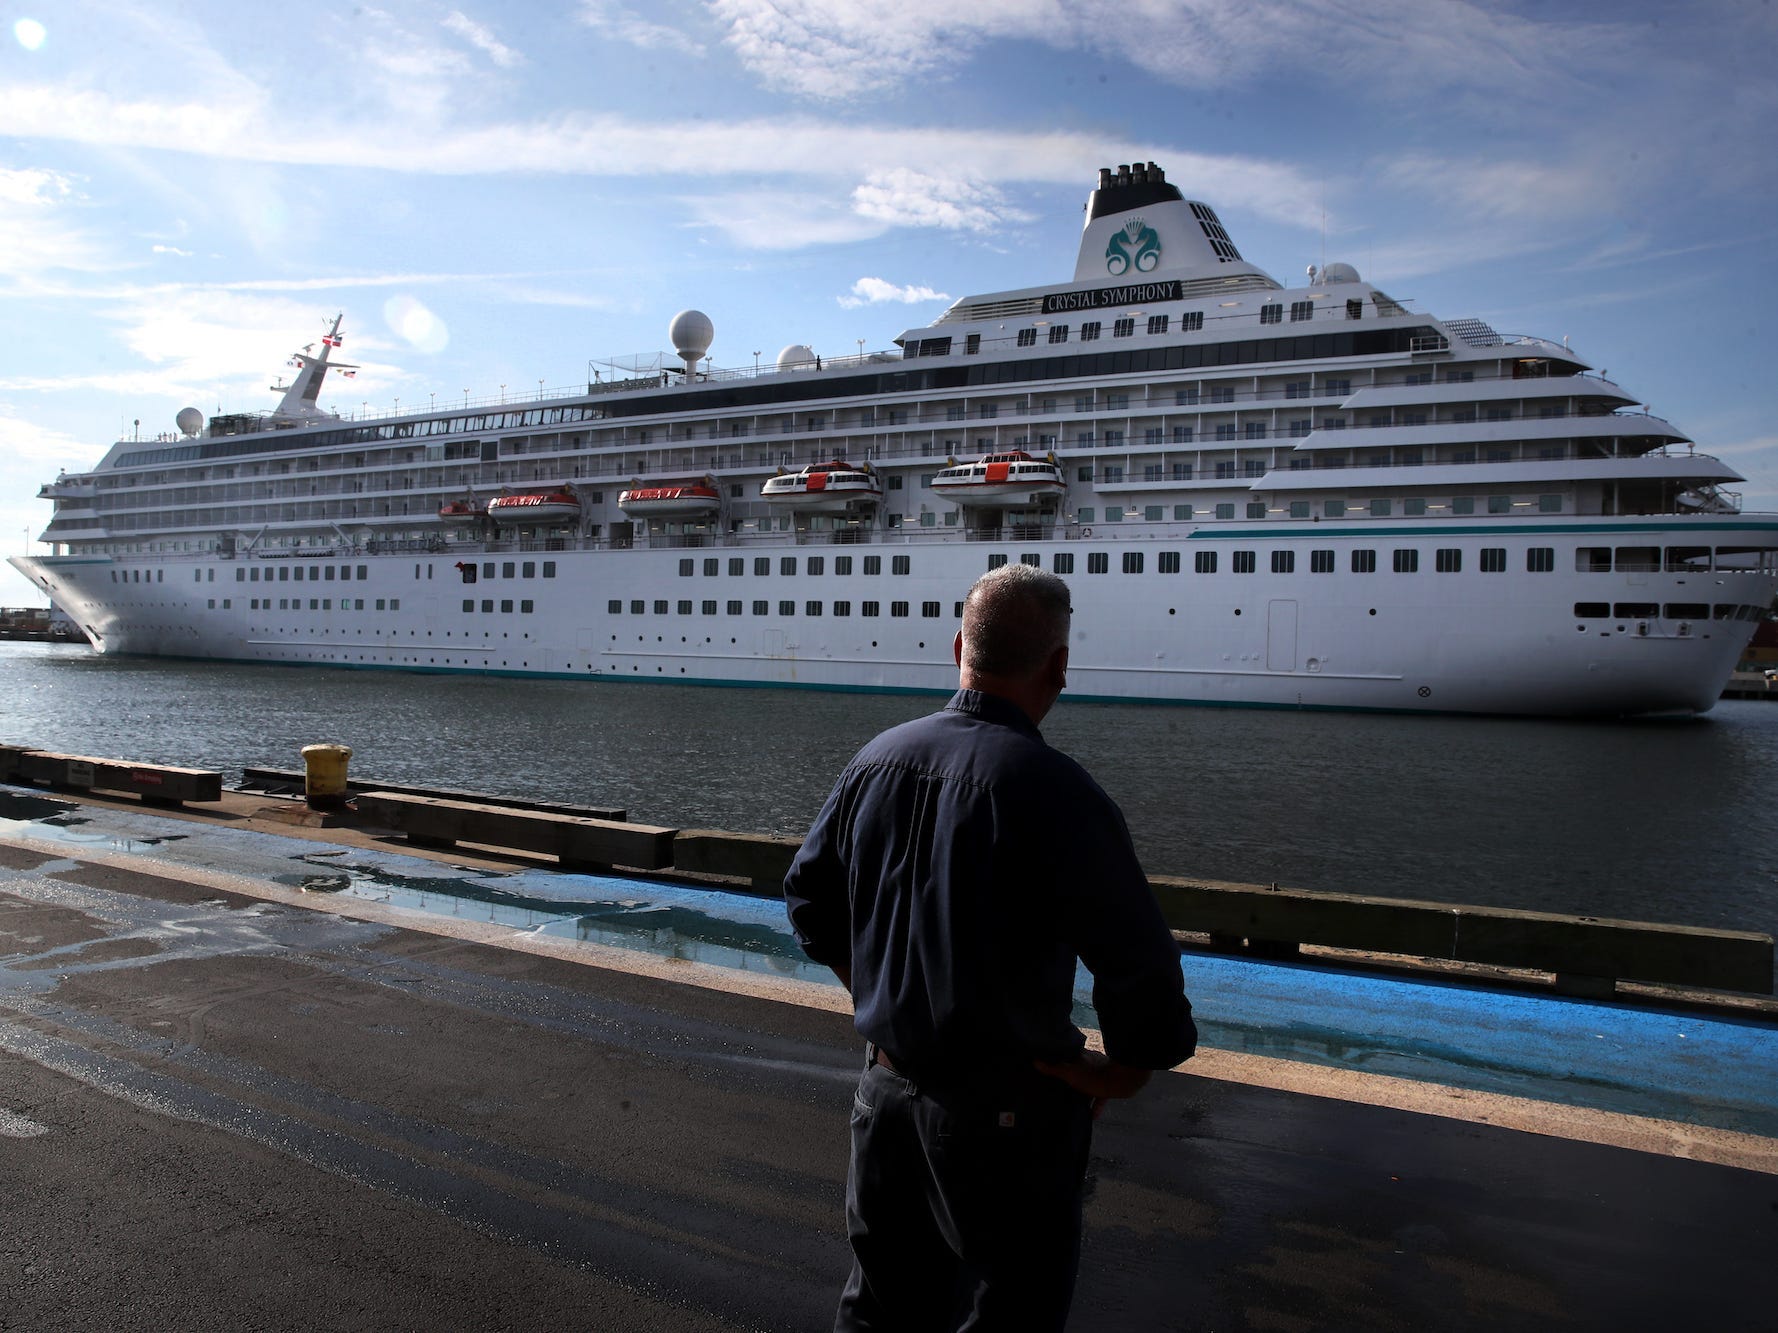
(530, 510)
(826, 488)
(999, 480)
(669, 500)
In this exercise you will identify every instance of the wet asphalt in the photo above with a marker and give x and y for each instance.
(223, 1110)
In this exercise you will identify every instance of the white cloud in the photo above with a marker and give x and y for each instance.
(482, 39)
(41, 237)
(170, 250)
(39, 448)
(625, 25)
(819, 49)
(875, 291)
(903, 197)
(780, 220)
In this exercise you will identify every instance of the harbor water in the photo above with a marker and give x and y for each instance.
(1667, 820)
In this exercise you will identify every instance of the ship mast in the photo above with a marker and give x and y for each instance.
(299, 401)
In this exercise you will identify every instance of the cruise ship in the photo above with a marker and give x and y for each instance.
(1301, 497)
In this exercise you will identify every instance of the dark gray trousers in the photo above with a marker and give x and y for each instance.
(964, 1206)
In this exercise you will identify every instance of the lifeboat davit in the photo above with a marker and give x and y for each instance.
(1000, 480)
(543, 507)
(825, 488)
(669, 500)
(462, 512)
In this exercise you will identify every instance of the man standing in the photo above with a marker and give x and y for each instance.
(957, 872)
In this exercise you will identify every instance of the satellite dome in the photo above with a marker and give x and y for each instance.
(190, 420)
(691, 333)
(1339, 273)
(795, 355)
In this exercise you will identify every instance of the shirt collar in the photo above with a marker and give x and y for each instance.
(992, 708)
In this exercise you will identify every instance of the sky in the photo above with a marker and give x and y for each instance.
(496, 195)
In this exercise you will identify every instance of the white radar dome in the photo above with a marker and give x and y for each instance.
(190, 420)
(795, 355)
(1339, 273)
(691, 333)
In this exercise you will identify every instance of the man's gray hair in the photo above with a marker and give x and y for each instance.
(1014, 618)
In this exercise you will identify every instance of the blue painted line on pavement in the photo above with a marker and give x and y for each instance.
(1693, 1068)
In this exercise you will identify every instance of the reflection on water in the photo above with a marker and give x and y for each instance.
(1668, 820)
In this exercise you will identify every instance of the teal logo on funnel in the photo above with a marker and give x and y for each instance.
(1136, 245)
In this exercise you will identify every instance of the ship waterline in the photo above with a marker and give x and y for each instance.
(1306, 498)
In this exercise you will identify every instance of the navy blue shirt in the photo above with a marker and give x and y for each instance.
(961, 866)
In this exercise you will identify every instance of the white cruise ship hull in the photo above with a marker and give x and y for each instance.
(1463, 641)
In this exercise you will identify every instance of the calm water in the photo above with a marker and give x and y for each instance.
(1668, 820)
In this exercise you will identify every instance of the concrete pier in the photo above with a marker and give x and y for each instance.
(246, 1082)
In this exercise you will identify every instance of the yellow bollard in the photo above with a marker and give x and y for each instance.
(324, 782)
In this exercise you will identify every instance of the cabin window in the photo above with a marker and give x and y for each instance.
(660, 606)
(1380, 508)
(787, 564)
(786, 607)
(614, 607)
(1031, 558)
(737, 565)
(549, 569)
(1364, 562)
(1243, 562)
(638, 607)
(1204, 562)
(1132, 562)
(898, 609)
(1448, 560)
(526, 607)
(1333, 508)
(1500, 504)
(1086, 514)
(1098, 562)
(1591, 610)
(505, 605)
(1062, 562)
(1271, 313)
(1407, 562)
(817, 564)
(1027, 337)
(1687, 611)
(684, 607)
(1592, 559)
(1638, 559)
(1089, 332)
(1414, 508)
(685, 568)
(930, 610)
(1688, 559)
(761, 607)
(468, 604)
(1186, 397)
(507, 570)
(1225, 509)
(1192, 321)
(868, 609)
(901, 564)
(733, 607)
(1158, 323)
(762, 565)
(1283, 562)
(1299, 509)
(1321, 562)
(1114, 513)
(996, 560)
(1256, 509)
(1167, 562)
(1123, 328)
(711, 567)
(873, 564)
(1494, 560)
(1301, 310)
(1540, 560)
(1636, 610)
(1058, 333)
(842, 608)
(1463, 504)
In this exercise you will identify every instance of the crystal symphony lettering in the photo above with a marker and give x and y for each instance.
(1101, 298)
